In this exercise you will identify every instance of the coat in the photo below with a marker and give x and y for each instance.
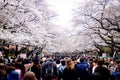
(82, 68)
(69, 74)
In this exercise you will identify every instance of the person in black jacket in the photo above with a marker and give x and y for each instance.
(70, 72)
(2, 71)
(36, 68)
(101, 72)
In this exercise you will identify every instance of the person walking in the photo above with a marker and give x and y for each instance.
(70, 72)
(49, 70)
(83, 70)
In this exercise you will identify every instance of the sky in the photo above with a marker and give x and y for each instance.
(64, 9)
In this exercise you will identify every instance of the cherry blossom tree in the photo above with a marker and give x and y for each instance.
(102, 18)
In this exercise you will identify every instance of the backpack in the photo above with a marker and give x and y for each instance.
(49, 70)
(61, 69)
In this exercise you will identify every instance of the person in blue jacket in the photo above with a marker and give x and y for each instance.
(83, 69)
(116, 74)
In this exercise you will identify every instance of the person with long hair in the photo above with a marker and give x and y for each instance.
(70, 72)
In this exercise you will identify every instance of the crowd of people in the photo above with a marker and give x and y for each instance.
(59, 68)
